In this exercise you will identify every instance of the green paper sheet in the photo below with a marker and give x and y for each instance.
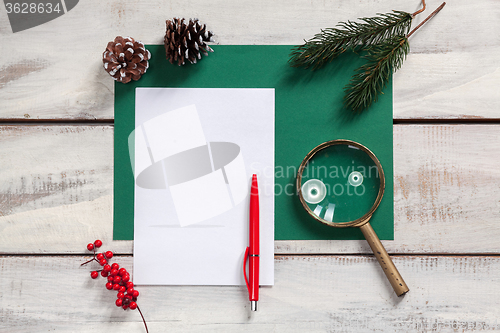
(308, 111)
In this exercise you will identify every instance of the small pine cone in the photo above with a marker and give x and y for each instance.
(186, 41)
(126, 59)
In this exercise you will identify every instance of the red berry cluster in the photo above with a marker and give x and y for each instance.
(118, 279)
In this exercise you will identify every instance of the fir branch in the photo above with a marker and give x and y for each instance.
(331, 42)
(383, 59)
(369, 80)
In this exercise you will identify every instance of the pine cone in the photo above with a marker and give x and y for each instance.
(186, 41)
(126, 59)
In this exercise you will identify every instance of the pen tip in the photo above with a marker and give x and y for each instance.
(255, 186)
(253, 305)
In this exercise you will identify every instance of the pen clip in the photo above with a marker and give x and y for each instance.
(244, 268)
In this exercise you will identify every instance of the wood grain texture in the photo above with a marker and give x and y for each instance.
(311, 294)
(56, 181)
(56, 192)
(453, 68)
(56, 184)
(56, 69)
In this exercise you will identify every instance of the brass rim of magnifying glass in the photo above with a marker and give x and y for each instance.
(365, 218)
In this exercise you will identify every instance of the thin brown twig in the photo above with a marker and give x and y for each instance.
(427, 19)
(88, 261)
(419, 11)
(143, 320)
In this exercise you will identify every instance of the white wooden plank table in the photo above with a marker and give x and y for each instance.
(56, 158)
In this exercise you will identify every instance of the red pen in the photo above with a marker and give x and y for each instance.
(252, 251)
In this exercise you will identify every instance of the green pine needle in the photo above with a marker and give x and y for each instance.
(369, 80)
(331, 42)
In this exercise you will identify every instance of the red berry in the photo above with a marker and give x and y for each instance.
(122, 271)
(109, 286)
(104, 274)
(130, 284)
(125, 307)
(130, 291)
(113, 271)
(120, 295)
(119, 302)
(109, 254)
(103, 262)
(133, 305)
(98, 243)
(106, 268)
(94, 275)
(110, 278)
(117, 279)
(90, 246)
(126, 278)
(116, 286)
(135, 294)
(115, 266)
(99, 256)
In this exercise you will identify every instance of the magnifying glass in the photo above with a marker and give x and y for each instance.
(341, 183)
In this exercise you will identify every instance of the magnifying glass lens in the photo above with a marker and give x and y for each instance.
(340, 183)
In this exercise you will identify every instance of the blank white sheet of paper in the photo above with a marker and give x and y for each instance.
(197, 151)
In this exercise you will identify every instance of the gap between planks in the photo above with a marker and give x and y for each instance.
(276, 255)
(100, 122)
(57, 122)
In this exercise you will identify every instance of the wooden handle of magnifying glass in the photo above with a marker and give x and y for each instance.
(397, 282)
